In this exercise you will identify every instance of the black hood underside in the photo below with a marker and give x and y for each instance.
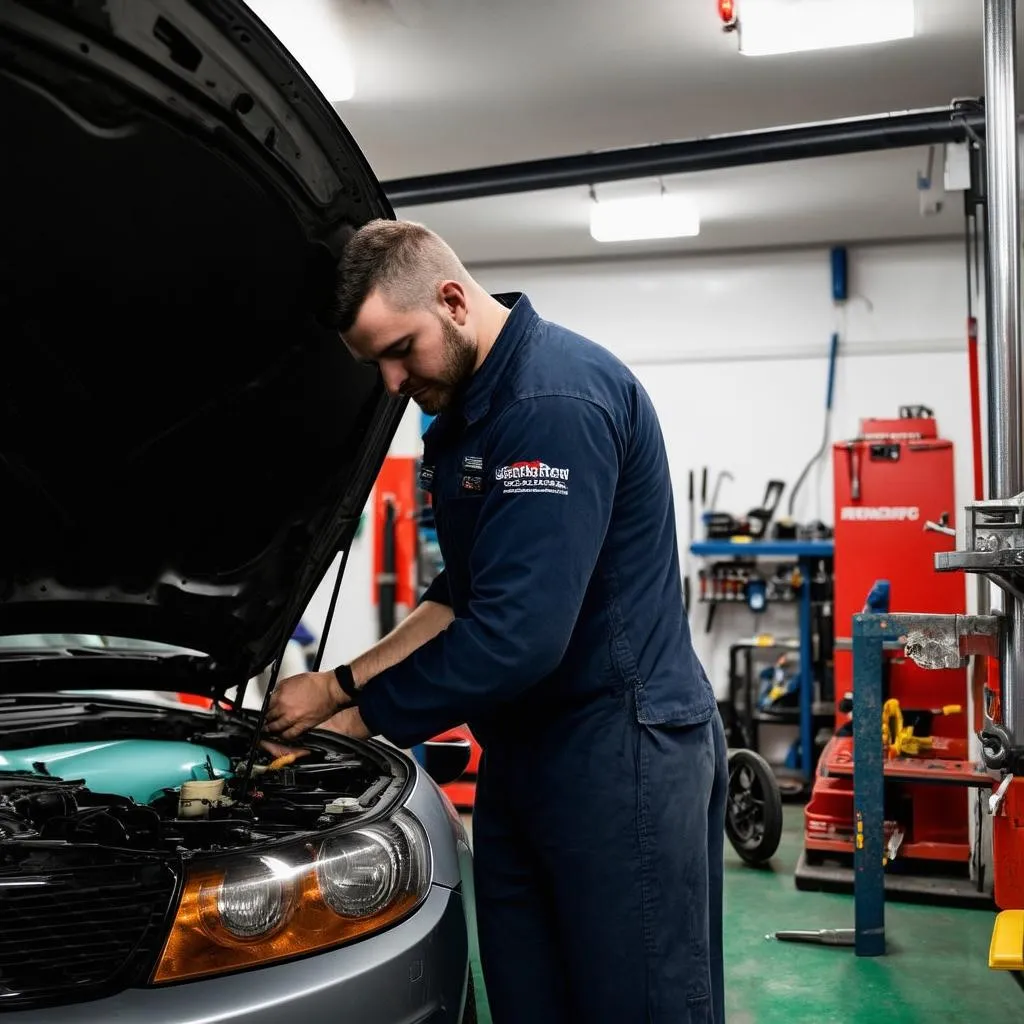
(184, 441)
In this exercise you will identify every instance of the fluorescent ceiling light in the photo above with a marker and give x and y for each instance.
(792, 26)
(314, 34)
(629, 220)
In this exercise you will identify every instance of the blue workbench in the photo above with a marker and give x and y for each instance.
(806, 552)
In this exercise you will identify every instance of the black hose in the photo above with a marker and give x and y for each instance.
(828, 420)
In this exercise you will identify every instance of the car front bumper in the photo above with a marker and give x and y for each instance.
(413, 973)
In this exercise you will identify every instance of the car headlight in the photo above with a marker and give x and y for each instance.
(257, 908)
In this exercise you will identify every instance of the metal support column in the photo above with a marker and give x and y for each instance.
(807, 681)
(1004, 349)
(868, 786)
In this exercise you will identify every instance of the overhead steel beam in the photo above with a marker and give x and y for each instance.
(928, 127)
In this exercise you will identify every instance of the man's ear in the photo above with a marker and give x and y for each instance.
(452, 296)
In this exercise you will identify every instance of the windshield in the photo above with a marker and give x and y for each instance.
(85, 643)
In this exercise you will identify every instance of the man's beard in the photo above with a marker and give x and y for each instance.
(459, 361)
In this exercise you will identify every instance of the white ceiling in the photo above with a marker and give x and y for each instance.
(444, 85)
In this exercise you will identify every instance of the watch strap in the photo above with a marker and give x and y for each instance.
(343, 673)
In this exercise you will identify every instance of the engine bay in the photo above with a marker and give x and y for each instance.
(180, 789)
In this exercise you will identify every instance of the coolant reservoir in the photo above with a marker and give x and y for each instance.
(140, 769)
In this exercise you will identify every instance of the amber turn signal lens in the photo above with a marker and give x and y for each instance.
(259, 909)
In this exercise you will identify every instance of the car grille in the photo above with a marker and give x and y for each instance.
(73, 934)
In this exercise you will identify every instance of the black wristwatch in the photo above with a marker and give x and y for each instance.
(348, 685)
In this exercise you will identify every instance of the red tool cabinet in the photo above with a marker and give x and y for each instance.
(892, 479)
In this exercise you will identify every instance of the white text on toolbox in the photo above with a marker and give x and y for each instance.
(881, 513)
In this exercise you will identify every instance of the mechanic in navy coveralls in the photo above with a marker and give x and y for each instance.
(557, 632)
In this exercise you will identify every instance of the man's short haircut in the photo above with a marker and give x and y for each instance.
(405, 260)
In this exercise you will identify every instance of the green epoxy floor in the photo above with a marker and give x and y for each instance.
(936, 968)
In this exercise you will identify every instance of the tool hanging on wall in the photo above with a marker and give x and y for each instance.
(723, 475)
(740, 582)
(754, 525)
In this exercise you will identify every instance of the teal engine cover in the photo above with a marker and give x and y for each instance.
(140, 769)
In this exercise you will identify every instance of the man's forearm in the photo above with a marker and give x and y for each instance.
(421, 625)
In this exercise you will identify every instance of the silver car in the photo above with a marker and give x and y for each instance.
(185, 448)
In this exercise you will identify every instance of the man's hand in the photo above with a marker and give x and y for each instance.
(302, 702)
(348, 723)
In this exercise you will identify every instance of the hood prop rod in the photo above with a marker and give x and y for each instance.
(258, 731)
(331, 608)
(257, 734)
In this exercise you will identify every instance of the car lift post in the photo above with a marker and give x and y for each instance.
(1006, 463)
(869, 633)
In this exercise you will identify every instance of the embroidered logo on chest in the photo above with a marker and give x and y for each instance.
(531, 476)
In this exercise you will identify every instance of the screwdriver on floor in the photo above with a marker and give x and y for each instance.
(818, 937)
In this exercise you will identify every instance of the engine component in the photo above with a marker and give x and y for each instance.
(303, 792)
(67, 812)
(198, 796)
(140, 769)
(12, 826)
(180, 794)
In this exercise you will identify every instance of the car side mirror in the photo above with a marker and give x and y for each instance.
(446, 760)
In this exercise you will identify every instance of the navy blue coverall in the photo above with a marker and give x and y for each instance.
(599, 817)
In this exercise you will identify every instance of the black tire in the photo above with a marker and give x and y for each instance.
(753, 816)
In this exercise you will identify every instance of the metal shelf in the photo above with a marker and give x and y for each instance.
(763, 549)
(806, 553)
(792, 715)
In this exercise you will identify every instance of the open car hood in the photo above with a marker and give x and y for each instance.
(185, 443)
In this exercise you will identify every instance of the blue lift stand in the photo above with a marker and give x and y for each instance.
(932, 641)
(807, 553)
(868, 934)
(869, 633)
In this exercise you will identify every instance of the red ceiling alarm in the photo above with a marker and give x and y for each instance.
(727, 12)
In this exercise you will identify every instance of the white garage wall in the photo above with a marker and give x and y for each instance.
(733, 350)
